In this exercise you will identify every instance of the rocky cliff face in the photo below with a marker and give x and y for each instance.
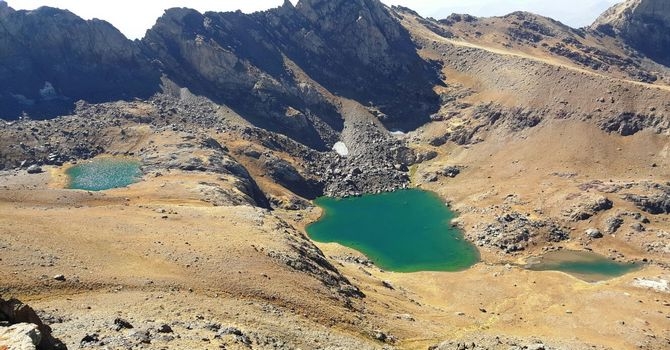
(642, 24)
(51, 58)
(229, 58)
(356, 49)
(359, 50)
(254, 63)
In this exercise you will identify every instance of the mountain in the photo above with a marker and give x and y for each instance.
(355, 49)
(642, 24)
(542, 138)
(52, 58)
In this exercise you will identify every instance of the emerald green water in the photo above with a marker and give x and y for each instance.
(403, 231)
(584, 265)
(103, 174)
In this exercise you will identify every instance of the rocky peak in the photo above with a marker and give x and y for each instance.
(4, 8)
(52, 58)
(642, 24)
(359, 49)
(354, 48)
(287, 5)
(355, 25)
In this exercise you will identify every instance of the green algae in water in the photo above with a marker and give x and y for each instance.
(587, 266)
(104, 174)
(403, 231)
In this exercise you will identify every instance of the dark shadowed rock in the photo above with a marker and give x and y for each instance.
(120, 324)
(653, 204)
(34, 169)
(642, 24)
(594, 233)
(52, 58)
(288, 176)
(613, 223)
(164, 329)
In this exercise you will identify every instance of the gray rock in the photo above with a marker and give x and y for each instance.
(34, 169)
(425, 156)
(89, 339)
(638, 227)
(379, 335)
(237, 333)
(430, 177)
(653, 204)
(21, 336)
(120, 323)
(589, 208)
(143, 337)
(388, 285)
(164, 329)
(613, 223)
(594, 233)
(451, 171)
(229, 330)
(15, 312)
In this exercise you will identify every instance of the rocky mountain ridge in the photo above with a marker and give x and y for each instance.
(642, 24)
(52, 58)
(282, 69)
(354, 49)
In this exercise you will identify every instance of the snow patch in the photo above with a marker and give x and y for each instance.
(660, 285)
(341, 149)
(48, 92)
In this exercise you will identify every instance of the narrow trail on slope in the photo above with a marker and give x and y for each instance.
(460, 43)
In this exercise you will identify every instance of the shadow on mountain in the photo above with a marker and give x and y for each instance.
(355, 49)
(51, 58)
(270, 67)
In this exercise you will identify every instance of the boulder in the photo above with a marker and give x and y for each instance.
(589, 207)
(594, 233)
(34, 169)
(21, 336)
(451, 171)
(17, 312)
(613, 224)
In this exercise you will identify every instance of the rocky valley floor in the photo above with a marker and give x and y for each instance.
(185, 266)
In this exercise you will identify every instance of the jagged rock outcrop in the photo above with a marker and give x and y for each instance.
(253, 63)
(22, 336)
(52, 58)
(15, 312)
(359, 50)
(356, 49)
(642, 24)
(229, 58)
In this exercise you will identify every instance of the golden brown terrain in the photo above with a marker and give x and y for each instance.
(204, 267)
(534, 135)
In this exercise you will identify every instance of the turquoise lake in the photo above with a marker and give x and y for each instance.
(403, 231)
(104, 174)
(587, 266)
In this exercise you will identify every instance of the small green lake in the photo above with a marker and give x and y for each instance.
(587, 266)
(104, 174)
(402, 231)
